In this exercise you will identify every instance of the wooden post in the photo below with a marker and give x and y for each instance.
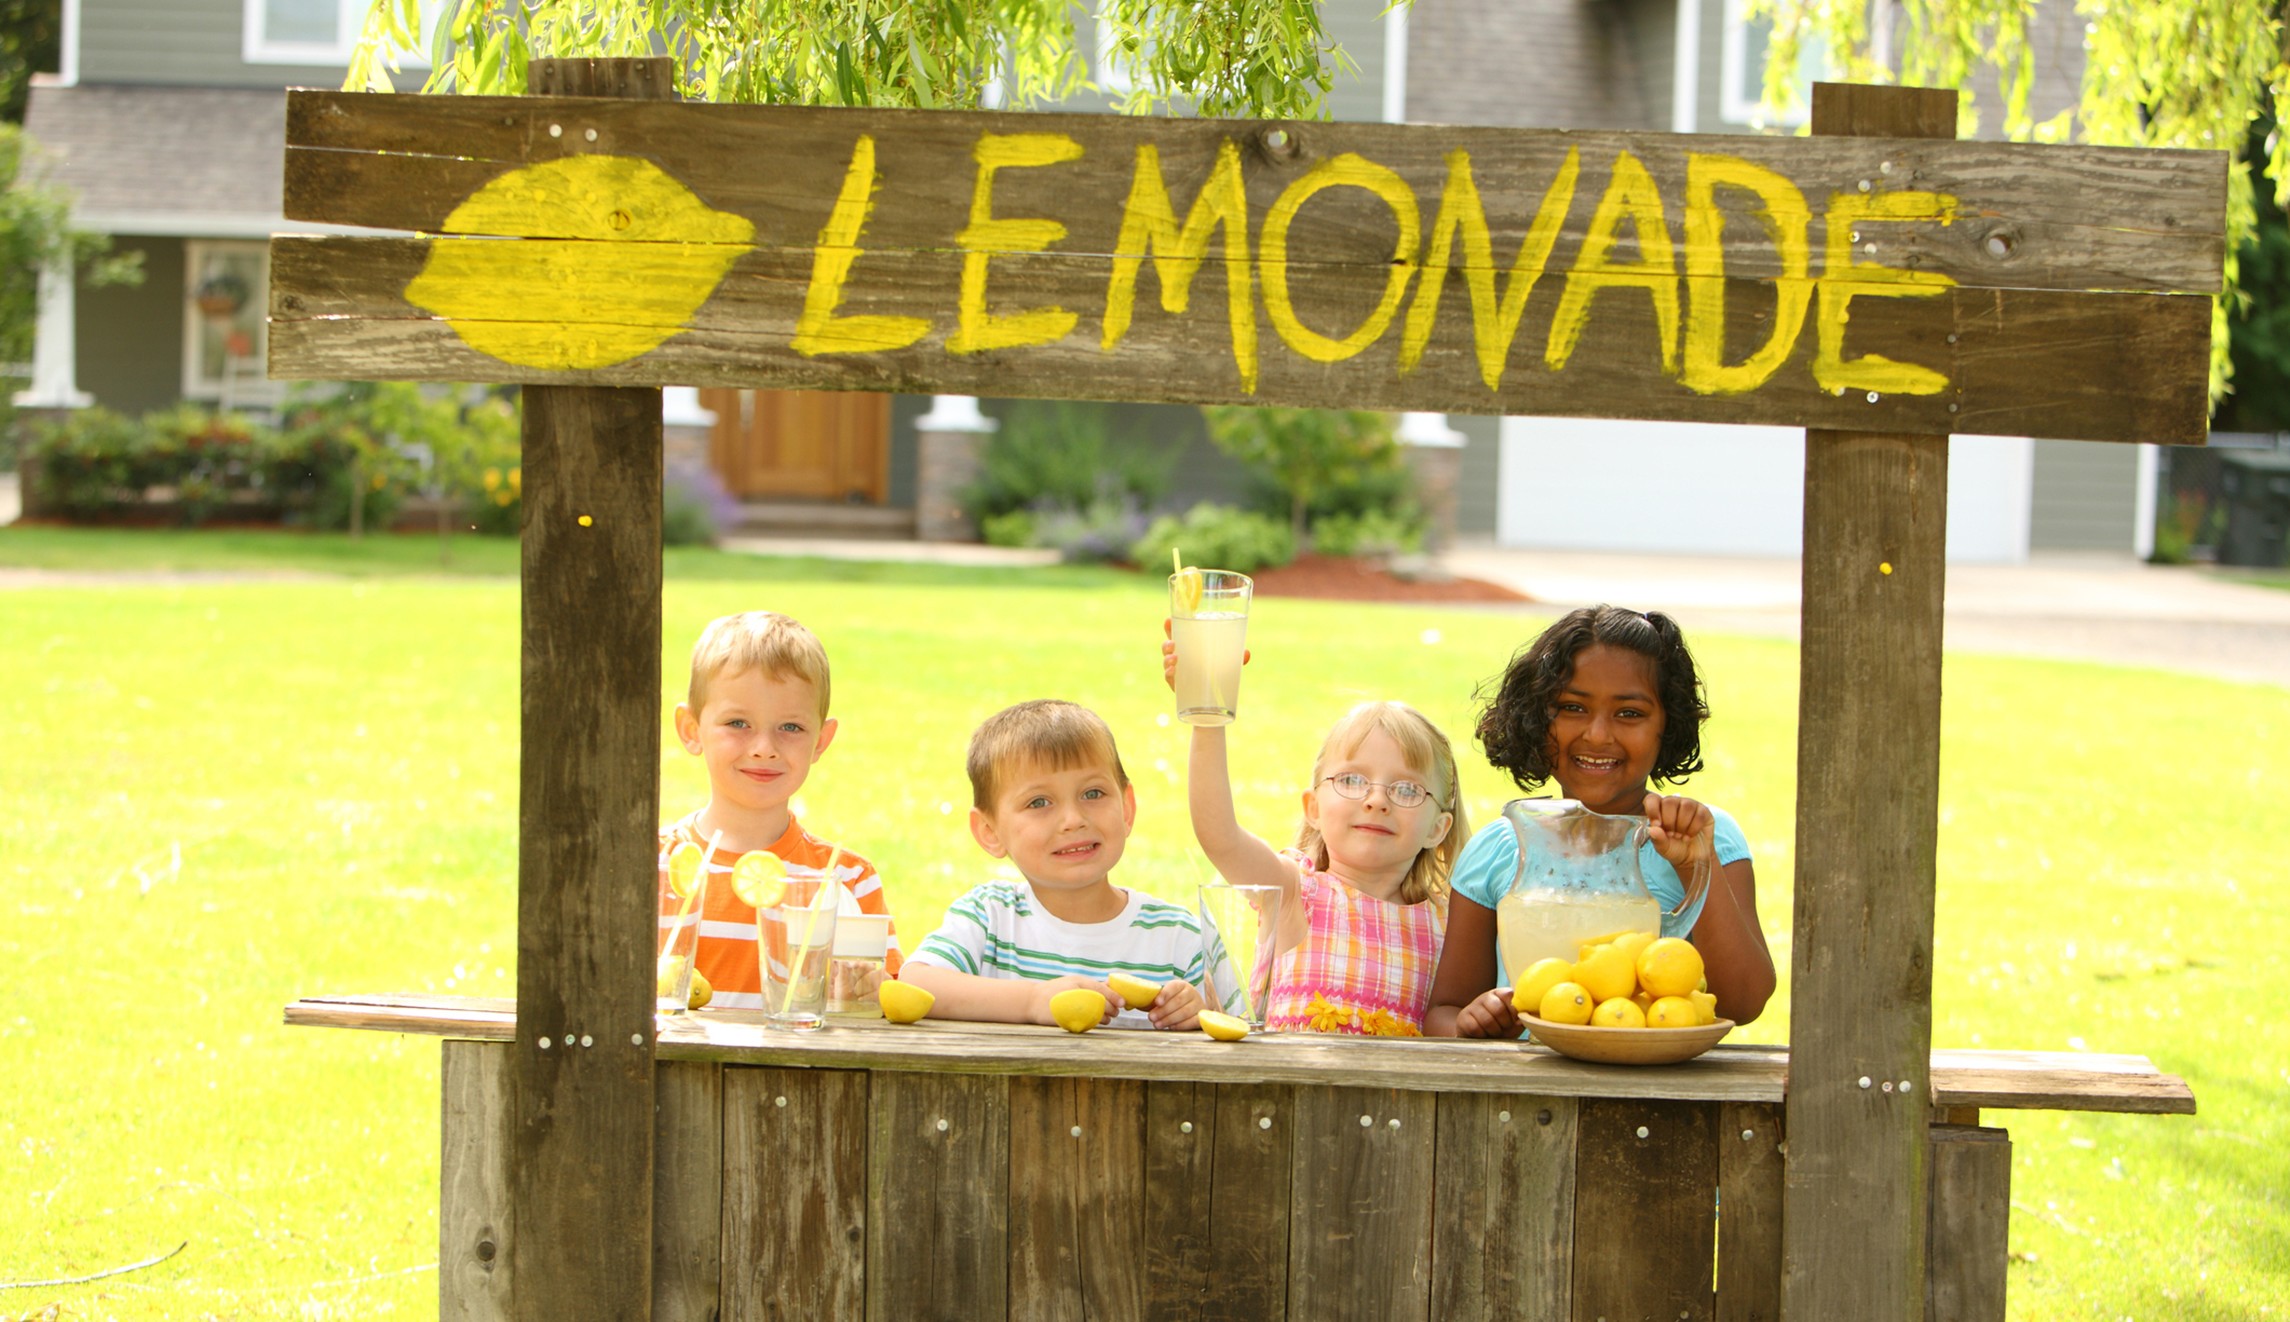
(1868, 789)
(581, 1132)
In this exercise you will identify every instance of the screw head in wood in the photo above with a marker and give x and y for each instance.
(780, 1101)
(1504, 1116)
(1872, 397)
(587, 1041)
(1366, 1120)
(1075, 1131)
(636, 1039)
(1748, 1134)
(544, 1044)
(1864, 185)
(1865, 1080)
(1393, 1122)
(1264, 1122)
(1906, 1084)
(942, 1126)
(1185, 1128)
(1883, 167)
(1952, 408)
(1952, 337)
(1643, 1132)
(1543, 1117)
(590, 135)
(556, 130)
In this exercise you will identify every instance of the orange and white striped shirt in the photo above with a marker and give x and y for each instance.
(727, 945)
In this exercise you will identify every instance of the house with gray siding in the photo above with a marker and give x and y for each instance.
(167, 121)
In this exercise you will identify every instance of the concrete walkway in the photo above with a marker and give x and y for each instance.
(2092, 608)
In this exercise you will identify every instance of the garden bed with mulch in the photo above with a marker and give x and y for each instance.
(1353, 578)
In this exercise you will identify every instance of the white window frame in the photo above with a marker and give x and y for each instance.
(196, 384)
(1735, 77)
(257, 48)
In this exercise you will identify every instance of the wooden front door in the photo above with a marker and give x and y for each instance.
(801, 444)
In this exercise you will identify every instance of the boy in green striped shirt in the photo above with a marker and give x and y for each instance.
(1048, 793)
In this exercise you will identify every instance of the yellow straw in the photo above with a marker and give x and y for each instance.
(1177, 559)
(699, 883)
(810, 923)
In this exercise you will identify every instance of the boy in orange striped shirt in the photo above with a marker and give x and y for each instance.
(756, 713)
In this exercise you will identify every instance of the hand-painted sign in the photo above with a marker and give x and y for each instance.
(1904, 285)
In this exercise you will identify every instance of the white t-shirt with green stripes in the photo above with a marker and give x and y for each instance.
(1000, 930)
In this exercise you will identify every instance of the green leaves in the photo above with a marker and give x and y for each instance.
(1266, 58)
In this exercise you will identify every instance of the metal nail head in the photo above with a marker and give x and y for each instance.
(1865, 1081)
(1906, 1084)
(1185, 1128)
(1394, 1122)
(590, 135)
(544, 1044)
(1075, 1131)
(556, 130)
(1504, 1116)
(1888, 1085)
(636, 1039)
(942, 1126)
(1643, 1132)
(780, 1101)
(1366, 1120)
(587, 1041)
(1264, 1122)
(1748, 1134)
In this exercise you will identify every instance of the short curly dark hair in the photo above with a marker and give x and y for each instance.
(1515, 725)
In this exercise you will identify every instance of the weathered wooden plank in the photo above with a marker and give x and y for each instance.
(1249, 1221)
(1749, 1212)
(1645, 1210)
(1077, 1199)
(688, 1191)
(1868, 768)
(938, 1179)
(474, 1219)
(2078, 366)
(2051, 217)
(795, 1208)
(1359, 1238)
(1180, 1147)
(2022, 1080)
(1502, 1237)
(1970, 1234)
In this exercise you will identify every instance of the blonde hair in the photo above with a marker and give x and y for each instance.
(1046, 732)
(1427, 751)
(757, 640)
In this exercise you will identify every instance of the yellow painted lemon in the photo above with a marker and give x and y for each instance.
(684, 868)
(903, 1002)
(587, 261)
(1620, 1012)
(1670, 967)
(1566, 1003)
(1541, 976)
(1077, 1009)
(1705, 1005)
(1223, 1027)
(1133, 990)
(1673, 1012)
(759, 878)
(1606, 973)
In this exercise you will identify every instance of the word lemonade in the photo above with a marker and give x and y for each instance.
(683, 249)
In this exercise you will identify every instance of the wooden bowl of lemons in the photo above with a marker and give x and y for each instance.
(1627, 1046)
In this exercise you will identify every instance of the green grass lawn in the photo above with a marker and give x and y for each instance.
(334, 763)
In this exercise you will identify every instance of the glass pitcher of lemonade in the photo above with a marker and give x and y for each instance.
(1578, 878)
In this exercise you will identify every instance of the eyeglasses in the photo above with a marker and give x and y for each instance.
(1402, 793)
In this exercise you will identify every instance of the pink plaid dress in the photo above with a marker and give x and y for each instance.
(1364, 966)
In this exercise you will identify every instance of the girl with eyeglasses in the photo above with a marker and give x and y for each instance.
(1603, 702)
(1363, 894)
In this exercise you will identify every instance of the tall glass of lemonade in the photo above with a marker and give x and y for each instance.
(1208, 621)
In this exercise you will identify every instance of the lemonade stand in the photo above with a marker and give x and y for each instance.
(1878, 283)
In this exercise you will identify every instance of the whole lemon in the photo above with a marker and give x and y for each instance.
(903, 1002)
(1567, 1003)
(1619, 1012)
(1077, 1009)
(1541, 976)
(1633, 942)
(1606, 973)
(1673, 1012)
(1670, 967)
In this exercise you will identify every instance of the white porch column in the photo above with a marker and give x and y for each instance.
(1435, 453)
(948, 440)
(55, 355)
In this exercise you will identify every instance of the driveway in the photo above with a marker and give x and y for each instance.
(2087, 608)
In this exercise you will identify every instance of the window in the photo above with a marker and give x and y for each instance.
(226, 292)
(1741, 91)
(1111, 67)
(318, 31)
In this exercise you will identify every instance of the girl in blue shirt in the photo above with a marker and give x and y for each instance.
(1603, 702)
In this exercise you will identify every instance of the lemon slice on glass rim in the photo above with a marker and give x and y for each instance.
(759, 878)
(684, 869)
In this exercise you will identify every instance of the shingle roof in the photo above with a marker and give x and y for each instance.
(164, 160)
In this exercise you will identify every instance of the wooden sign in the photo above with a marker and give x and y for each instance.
(1901, 285)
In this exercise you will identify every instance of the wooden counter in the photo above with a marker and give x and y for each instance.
(969, 1171)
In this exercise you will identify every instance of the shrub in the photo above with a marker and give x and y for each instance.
(694, 506)
(1376, 533)
(1216, 537)
(1319, 460)
(1015, 528)
(1060, 454)
(1100, 531)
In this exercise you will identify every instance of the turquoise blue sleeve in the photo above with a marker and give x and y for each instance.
(1484, 870)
